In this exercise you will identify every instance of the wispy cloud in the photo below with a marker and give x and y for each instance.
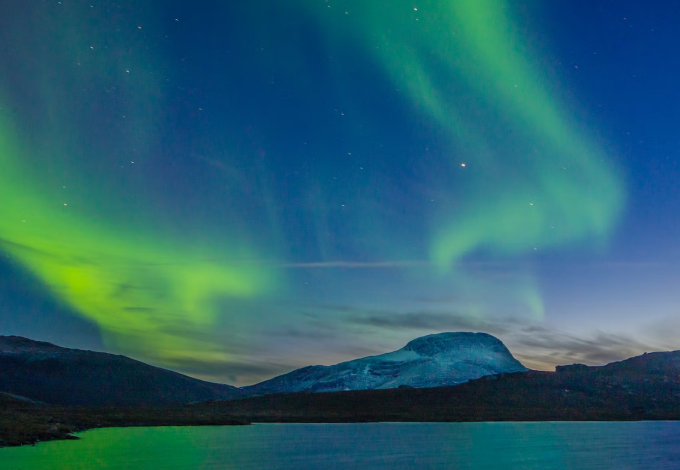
(542, 348)
(332, 333)
(536, 345)
(422, 320)
(416, 263)
(243, 371)
(359, 264)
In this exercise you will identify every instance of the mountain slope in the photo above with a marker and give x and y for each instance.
(52, 374)
(430, 361)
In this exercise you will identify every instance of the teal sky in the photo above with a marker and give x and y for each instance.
(233, 191)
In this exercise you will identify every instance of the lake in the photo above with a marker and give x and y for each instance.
(507, 446)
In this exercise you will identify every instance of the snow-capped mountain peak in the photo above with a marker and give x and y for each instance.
(430, 361)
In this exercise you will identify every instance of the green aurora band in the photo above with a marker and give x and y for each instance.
(532, 179)
(144, 292)
(540, 182)
(152, 290)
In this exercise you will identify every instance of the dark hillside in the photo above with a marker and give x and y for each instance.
(55, 375)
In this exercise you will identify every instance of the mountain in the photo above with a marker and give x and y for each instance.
(645, 387)
(430, 361)
(55, 375)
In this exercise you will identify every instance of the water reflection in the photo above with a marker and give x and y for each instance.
(544, 446)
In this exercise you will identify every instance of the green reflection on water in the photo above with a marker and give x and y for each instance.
(507, 446)
(115, 448)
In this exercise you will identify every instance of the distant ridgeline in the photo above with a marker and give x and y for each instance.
(479, 365)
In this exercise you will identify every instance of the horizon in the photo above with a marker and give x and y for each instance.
(344, 361)
(236, 191)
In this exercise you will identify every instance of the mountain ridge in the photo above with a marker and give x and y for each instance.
(434, 360)
(55, 375)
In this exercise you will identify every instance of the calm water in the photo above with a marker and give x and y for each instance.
(507, 446)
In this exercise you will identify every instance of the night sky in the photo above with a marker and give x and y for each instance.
(236, 189)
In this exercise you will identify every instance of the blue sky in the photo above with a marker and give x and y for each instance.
(332, 179)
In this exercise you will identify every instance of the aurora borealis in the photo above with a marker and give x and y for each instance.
(237, 190)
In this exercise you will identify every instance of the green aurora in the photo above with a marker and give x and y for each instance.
(141, 290)
(535, 180)
(532, 177)
(115, 261)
